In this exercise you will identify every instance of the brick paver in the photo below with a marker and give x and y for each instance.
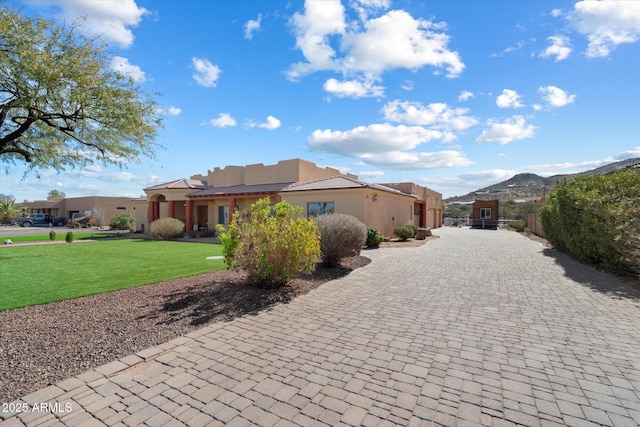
(474, 328)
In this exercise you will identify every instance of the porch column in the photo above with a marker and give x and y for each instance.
(172, 209)
(189, 218)
(232, 208)
(151, 209)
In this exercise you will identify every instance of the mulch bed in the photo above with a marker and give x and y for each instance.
(44, 344)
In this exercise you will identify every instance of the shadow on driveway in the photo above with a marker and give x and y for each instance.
(624, 288)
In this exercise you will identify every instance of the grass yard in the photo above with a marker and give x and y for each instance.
(38, 274)
(60, 235)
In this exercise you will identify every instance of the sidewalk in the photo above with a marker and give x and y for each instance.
(475, 328)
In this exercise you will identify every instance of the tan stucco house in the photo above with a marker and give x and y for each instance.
(203, 201)
(103, 208)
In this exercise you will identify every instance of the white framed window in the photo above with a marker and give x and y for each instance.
(485, 213)
(319, 208)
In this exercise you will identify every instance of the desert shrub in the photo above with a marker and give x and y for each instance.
(123, 221)
(596, 218)
(519, 226)
(374, 237)
(52, 235)
(413, 228)
(167, 228)
(69, 237)
(270, 243)
(341, 236)
(405, 232)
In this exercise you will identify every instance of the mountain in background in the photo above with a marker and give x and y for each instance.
(529, 186)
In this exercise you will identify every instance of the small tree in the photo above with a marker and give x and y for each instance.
(55, 195)
(61, 103)
(9, 209)
(270, 243)
(341, 236)
(123, 221)
(166, 228)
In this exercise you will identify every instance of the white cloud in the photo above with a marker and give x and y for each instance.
(109, 19)
(271, 124)
(122, 66)
(556, 12)
(560, 48)
(370, 175)
(465, 95)
(606, 24)
(435, 115)
(387, 146)
(511, 129)
(223, 120)
(397, 40)
(375, 138)
(206, 73)
(251, 27)
(491, 176)
(509, 99)
(369, 47)
(313, 29)
(422, 160)
(173, 111)
(555, 96)
(353, 88)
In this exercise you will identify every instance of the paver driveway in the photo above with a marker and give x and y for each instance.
(474, 328)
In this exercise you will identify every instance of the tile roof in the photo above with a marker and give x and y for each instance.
(241, 189)
(338, 182)
(181, 183)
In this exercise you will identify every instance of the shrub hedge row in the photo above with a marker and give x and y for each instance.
(596, 218)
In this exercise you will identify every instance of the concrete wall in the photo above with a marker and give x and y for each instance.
(293, 170)
(374, 208)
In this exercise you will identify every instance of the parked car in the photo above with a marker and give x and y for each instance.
(41, 219)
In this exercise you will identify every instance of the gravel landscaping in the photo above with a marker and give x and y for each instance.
(44, 344)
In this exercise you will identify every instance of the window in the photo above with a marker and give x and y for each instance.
(223, 214)
(485, 213)
(319, 208)
(121, 208)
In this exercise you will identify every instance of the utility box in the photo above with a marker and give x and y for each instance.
(485, 214)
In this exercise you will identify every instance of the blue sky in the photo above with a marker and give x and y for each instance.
(454, 95)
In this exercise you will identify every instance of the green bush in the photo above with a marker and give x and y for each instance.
(596, 218)
(519, 226)
(69, 237)
(52, 235)
(341, 236)
(405, 232)
(167, 228)
(270, 243)
(374, 237)
(123, 221)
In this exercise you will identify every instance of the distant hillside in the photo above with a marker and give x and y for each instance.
(530, 186)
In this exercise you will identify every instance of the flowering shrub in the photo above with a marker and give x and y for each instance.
(270, 243)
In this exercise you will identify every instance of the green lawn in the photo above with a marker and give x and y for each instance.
(60, 235)
(38, 274)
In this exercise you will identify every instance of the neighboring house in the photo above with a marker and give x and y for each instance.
(485, 214)
(206, 200)
(102, 208)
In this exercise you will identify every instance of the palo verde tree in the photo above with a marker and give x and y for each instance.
(61, 104)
